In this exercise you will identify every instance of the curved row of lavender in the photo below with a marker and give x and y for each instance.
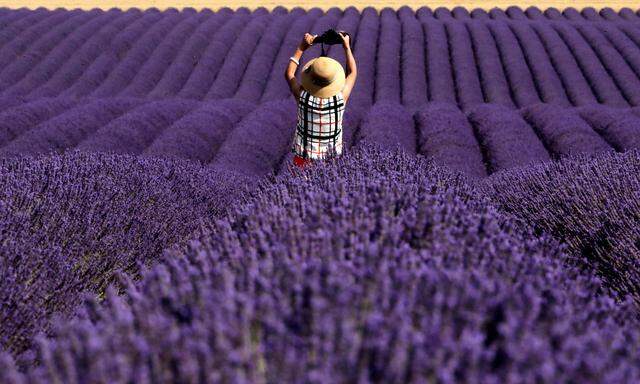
(515, 58)
(377, 267)
(255, 138)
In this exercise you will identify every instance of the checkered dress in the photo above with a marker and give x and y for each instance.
(319, 129)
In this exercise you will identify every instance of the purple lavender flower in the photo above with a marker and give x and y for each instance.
(378, 266)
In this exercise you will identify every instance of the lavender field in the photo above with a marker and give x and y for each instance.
(483, 224)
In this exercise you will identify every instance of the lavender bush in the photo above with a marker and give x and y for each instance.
(69, 222)
(199, 135)
(16, 121)
(620, 128)
(445, 135)
(135, 131)
(378, 267)
(389, 125)
(260, 140)
(562, 130)
(592, 204)
(505, 138)
(69, 128)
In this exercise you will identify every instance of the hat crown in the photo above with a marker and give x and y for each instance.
(324, 68)
(323, 76)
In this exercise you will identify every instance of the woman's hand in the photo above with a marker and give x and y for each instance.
(345, 40)
(307, 41)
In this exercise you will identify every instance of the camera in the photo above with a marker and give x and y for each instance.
(330, 37)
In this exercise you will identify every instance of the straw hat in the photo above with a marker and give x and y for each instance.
(323, 77)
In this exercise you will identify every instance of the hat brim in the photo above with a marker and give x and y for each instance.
(328, 90)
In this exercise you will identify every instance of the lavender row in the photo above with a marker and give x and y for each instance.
(349, 22)
(484, 139)
(19, 43)
(123, 125)
(506, 140)
(390, 125)
(255, 79)
(446, 137)
(134, 132)
(412, 58)
(563, 131)
(20, 119)
(440, 78)
(495, 85)
(328, 19)
(275, 88)
(387, 70)
(623, 15)
(198, 135)
(233, 70)
(363, 92)
(464, 66)
(257, 145)
(69, 128)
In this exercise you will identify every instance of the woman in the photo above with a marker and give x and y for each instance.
(321, 99)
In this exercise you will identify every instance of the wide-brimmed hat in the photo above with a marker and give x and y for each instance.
(323, 77)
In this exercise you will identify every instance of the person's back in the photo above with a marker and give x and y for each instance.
(319, 129)
(321, 100)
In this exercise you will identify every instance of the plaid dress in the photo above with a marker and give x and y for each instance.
(319, 129)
